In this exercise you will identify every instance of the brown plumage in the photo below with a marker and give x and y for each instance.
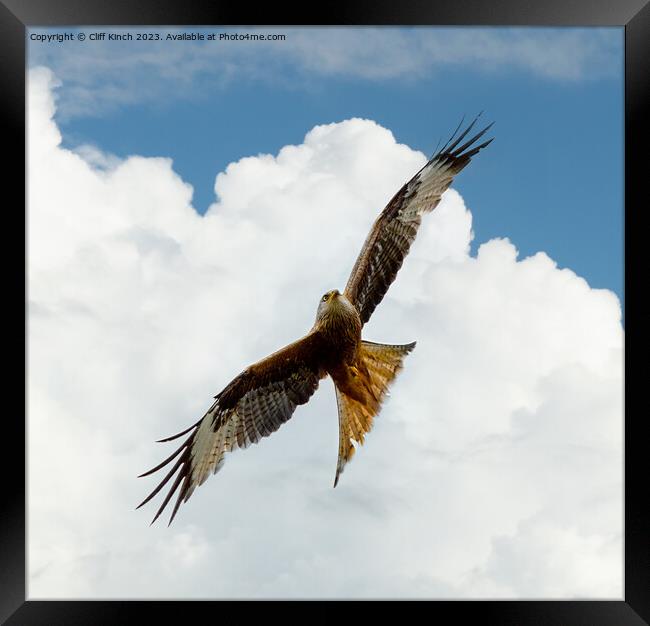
(265, 395)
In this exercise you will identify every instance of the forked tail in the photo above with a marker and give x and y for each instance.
(378, 365)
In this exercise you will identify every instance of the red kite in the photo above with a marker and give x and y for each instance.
(265, 395)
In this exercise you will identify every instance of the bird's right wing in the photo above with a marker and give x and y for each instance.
(254, 405)
(392, 234)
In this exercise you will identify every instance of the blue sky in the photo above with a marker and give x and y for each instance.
(552, 180)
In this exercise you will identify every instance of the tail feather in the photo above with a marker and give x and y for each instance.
(379, 364)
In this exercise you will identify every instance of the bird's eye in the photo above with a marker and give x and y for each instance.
(324, 298)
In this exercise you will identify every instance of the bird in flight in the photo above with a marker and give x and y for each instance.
(265, 395)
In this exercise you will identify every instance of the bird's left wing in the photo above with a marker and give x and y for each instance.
(254, 405)
(395, 229)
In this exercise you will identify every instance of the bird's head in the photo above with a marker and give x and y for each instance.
(328, 303)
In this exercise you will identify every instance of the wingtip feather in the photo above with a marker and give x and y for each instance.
(453, 151)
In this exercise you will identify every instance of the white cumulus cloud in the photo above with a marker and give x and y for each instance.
(494, 470)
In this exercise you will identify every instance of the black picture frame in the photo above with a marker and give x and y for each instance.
(17, 15)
